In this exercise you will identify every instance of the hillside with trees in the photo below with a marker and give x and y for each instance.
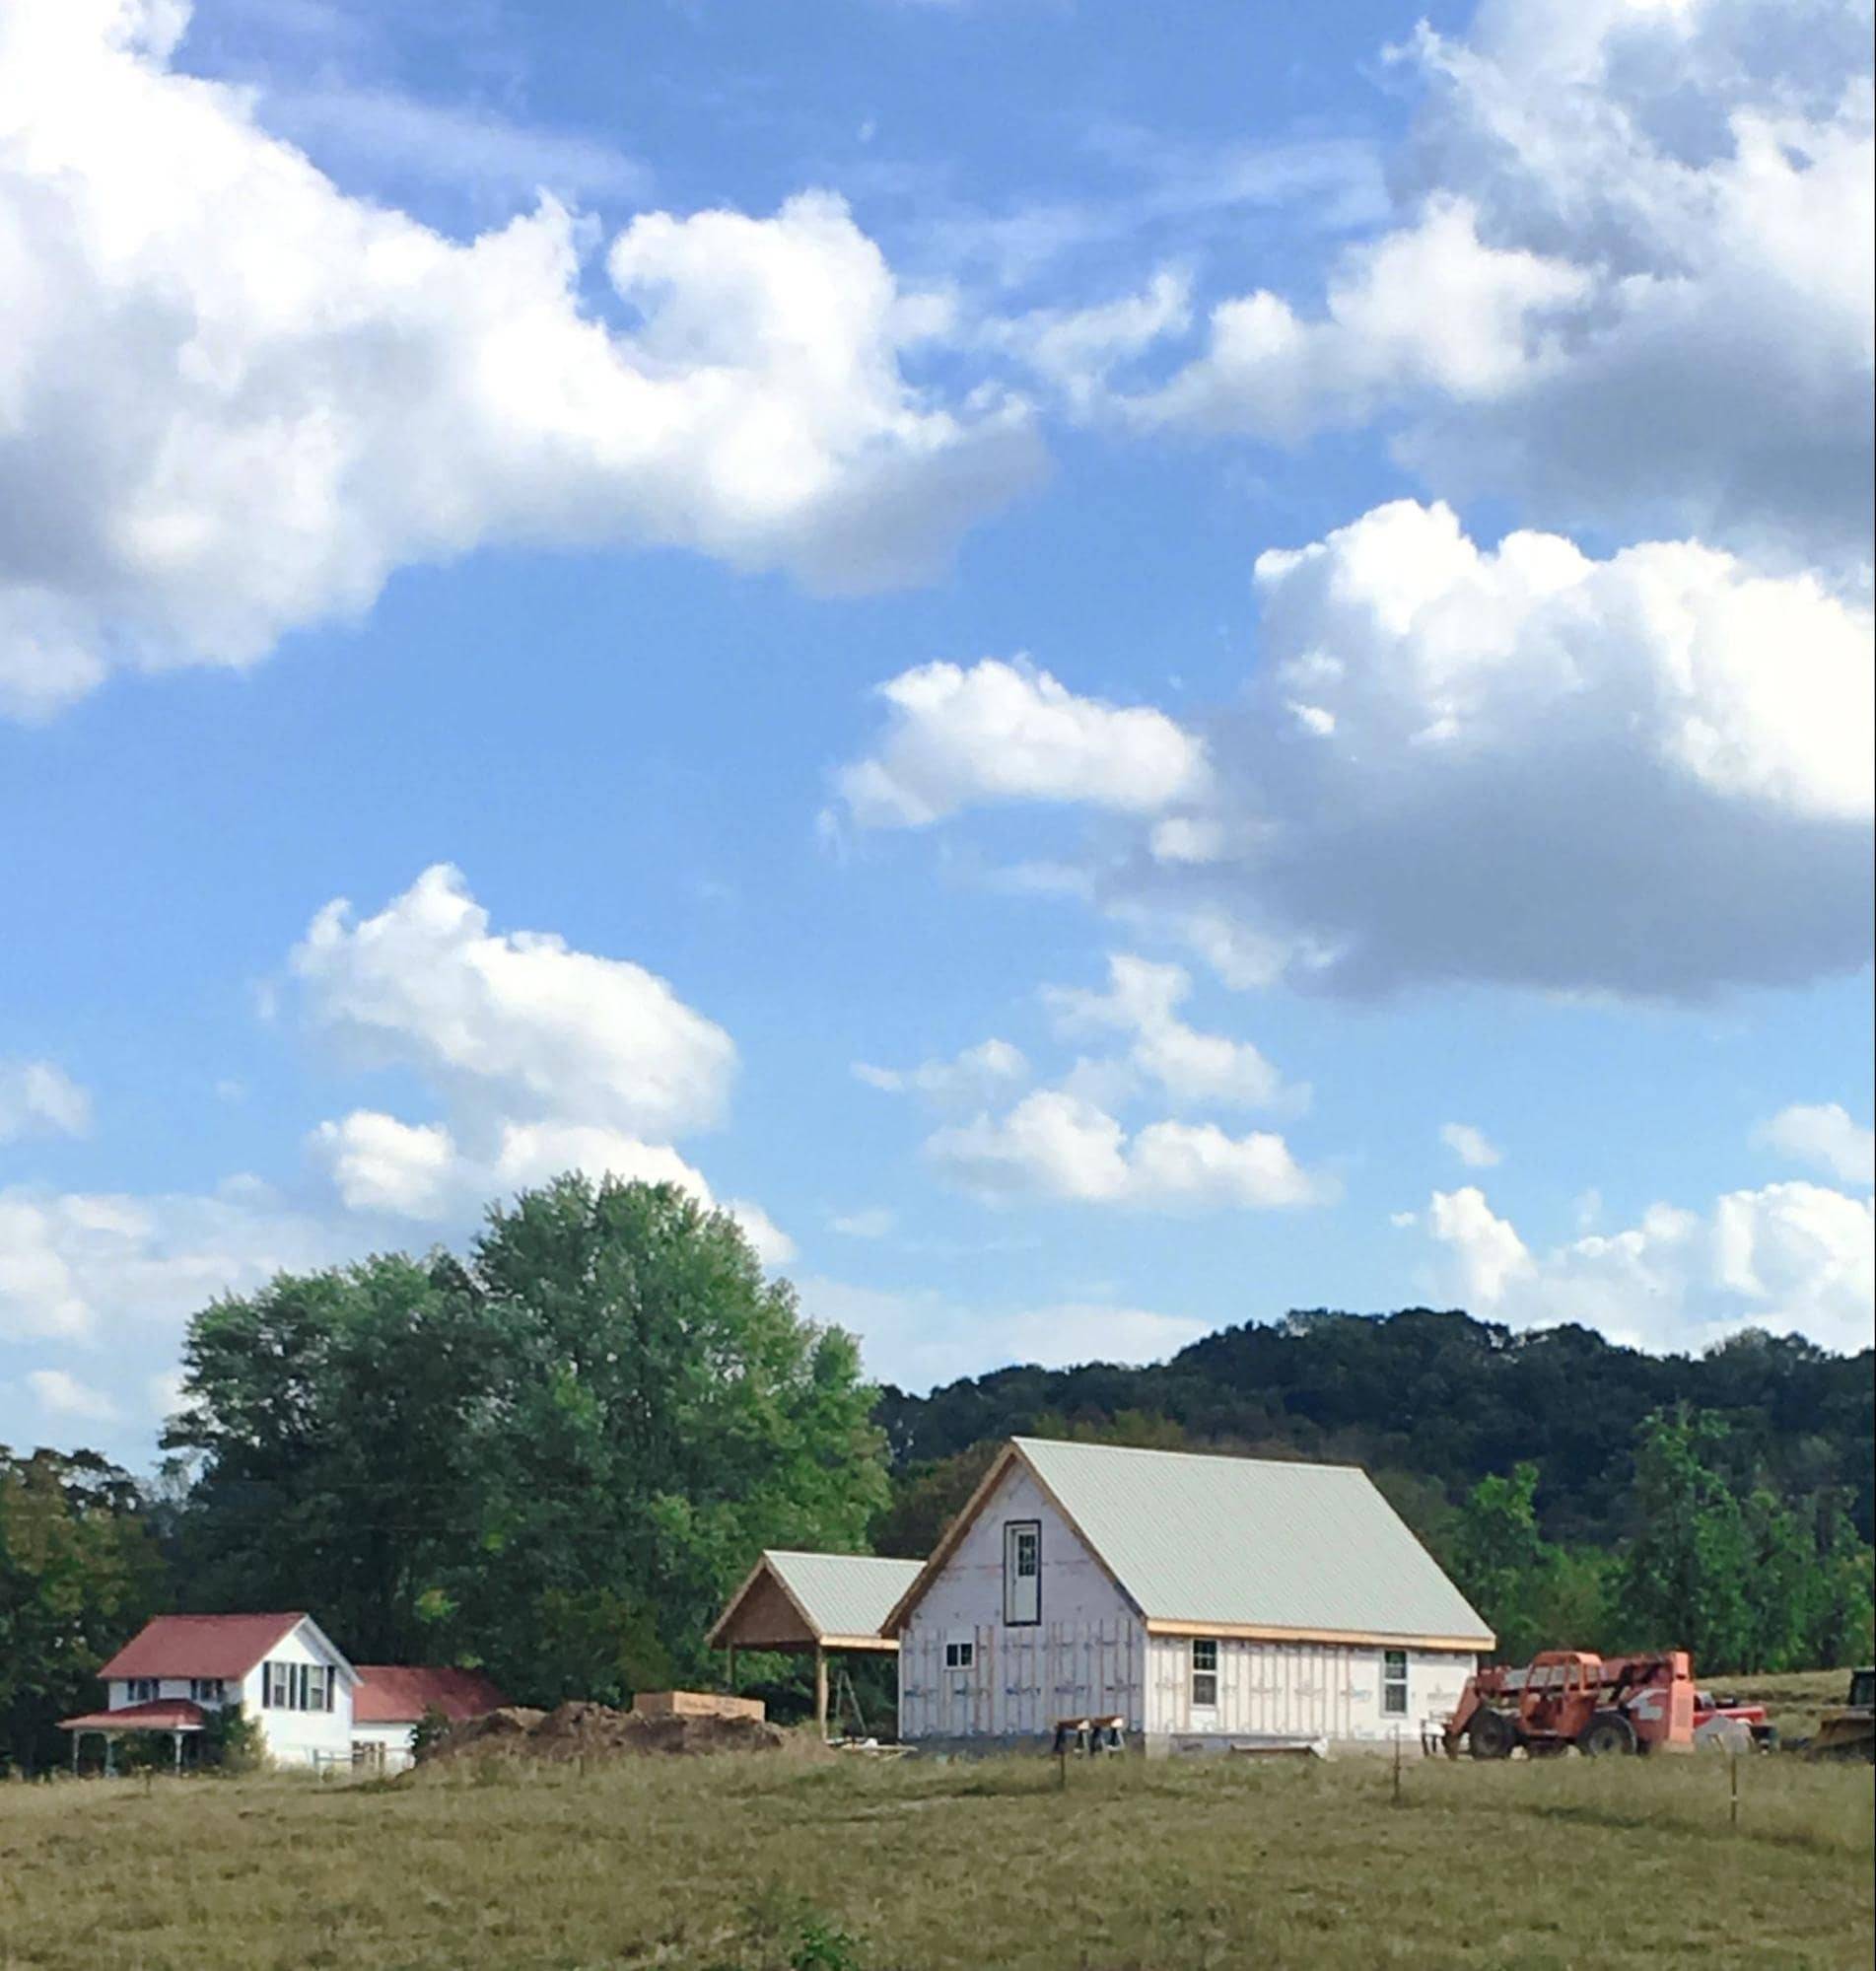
(553, 1456)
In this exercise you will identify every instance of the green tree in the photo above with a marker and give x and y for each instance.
(79, 1572)
(665, 1412)
(327, 1423)
(1686, 1578)
(1535, 1595)
(553, 1457)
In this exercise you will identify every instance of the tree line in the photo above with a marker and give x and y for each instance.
(553, 1456)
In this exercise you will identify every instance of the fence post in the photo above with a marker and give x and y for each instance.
(1734, 1763)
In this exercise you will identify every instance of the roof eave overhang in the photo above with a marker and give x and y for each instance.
(1264, 1632)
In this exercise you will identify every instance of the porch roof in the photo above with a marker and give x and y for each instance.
(169, 1713)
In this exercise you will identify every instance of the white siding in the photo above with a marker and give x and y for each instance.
(302, 1737)
(1297, 1690)
(1087, 1654)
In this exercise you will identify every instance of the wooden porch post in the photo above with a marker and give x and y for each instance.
(76, 1737)
(820, 1689)
(177, 1737)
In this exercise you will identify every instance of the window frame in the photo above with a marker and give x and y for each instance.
(1204, 1675)
(1394, 1688)
(142, 1690)
(1015, 1532)
(960, 1656)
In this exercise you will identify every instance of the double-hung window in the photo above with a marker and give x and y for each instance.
(206, 1690)
(143, 1690)
(277, 1683)
(1205, 1673)
(1394, 1683)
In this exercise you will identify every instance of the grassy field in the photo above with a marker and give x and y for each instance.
(1793, 1703)
(786, 1863)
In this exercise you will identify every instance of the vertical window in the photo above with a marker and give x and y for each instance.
(1022, 1571)
(1394, 1683)
(1205, 1673)
(315, 1688)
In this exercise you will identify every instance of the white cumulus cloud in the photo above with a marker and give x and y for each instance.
(520, 1018)
(1008, 732)
(1823, 1134)
(1647, 775)
(61, 1394)
(1473, 1146)
(1054, 1143)
(978, 1074)
(547, 1059)
(1788, 1257)
(40, 1098)
(233, 399)
(1190, 1066)
(1629, 282)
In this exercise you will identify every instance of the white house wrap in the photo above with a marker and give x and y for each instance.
(1208, 1601)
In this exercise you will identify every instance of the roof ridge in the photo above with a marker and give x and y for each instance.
(1199, 1457)
(827, 1554)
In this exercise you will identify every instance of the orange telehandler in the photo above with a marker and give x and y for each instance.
(1570, 1697)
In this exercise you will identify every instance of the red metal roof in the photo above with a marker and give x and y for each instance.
(199, 1645)
(170, 1713)
(400, 1693)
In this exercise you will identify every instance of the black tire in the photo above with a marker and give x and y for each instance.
(1491, 1736)
(1608, 1731)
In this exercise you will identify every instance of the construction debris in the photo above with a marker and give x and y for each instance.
(577, 1731)
(696, 1703)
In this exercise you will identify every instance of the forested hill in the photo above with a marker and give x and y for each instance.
(1432, 1403)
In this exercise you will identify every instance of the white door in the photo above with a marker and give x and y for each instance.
(1022, 1571)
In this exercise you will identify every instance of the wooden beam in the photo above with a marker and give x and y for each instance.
(820, 1691)
(1256, 1631)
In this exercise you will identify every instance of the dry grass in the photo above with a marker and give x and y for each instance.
(782, 1863)
(1794, 1702)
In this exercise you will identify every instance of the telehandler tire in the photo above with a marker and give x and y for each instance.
(1490, 1735)
(1608, 1731)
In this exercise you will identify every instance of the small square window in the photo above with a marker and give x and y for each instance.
(961, 1656)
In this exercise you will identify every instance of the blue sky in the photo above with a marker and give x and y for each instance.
(1304, 573)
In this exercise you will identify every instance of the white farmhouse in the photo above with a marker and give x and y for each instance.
(1208, 1601)
(178, 1669)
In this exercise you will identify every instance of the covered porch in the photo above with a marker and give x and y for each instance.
(175, 1718)
(812, 1605)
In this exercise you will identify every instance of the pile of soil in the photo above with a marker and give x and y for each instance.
(577, 1731)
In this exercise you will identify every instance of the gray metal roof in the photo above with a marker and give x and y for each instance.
(844, 1594)
(1253, 1542)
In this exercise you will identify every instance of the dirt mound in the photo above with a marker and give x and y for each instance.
(577, 1731)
